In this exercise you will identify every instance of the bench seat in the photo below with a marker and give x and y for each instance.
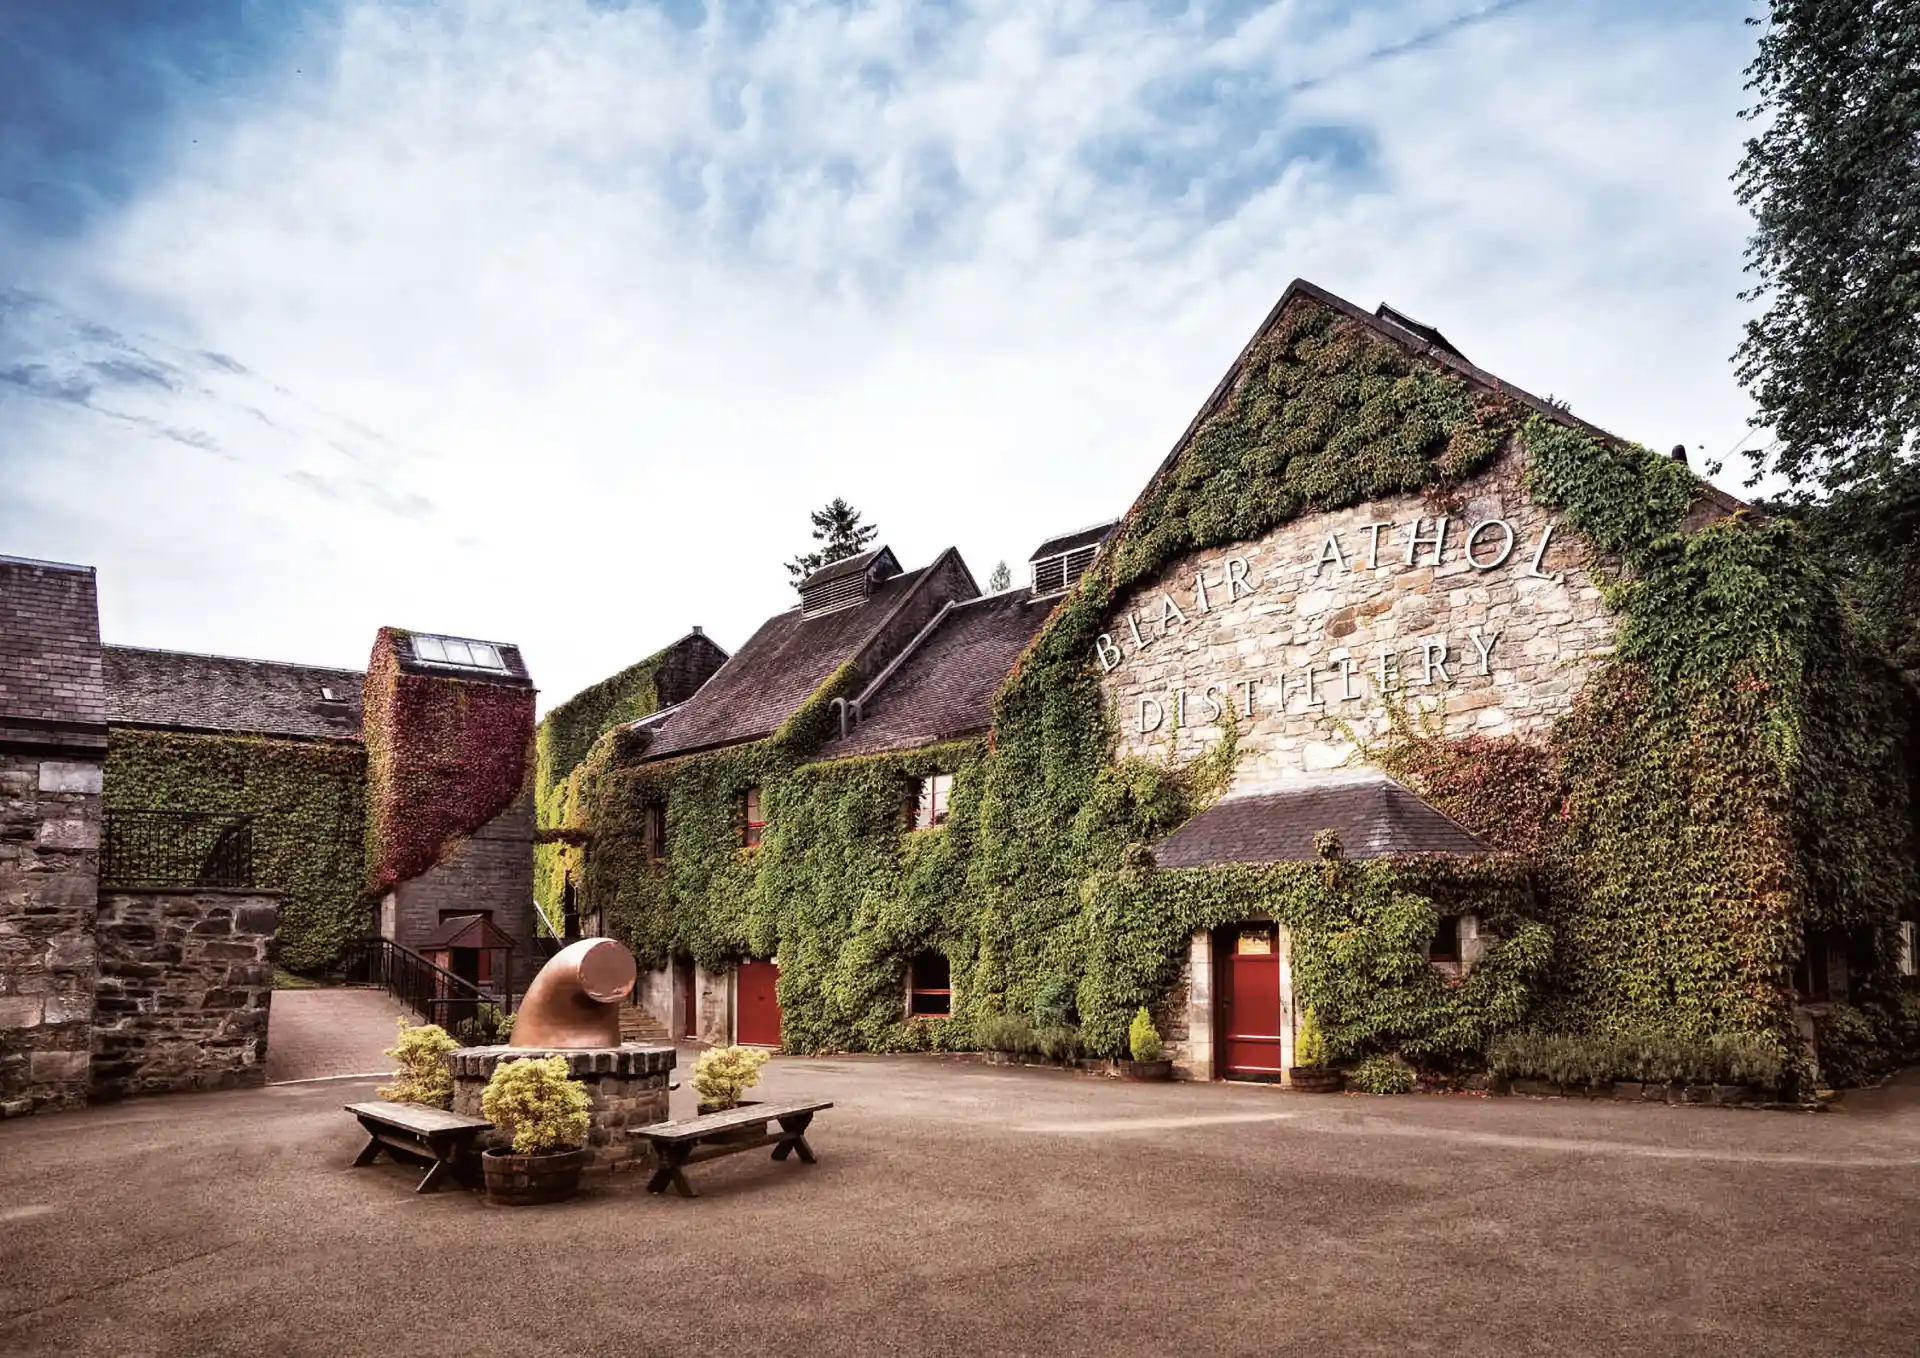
(712, 1135)
(418, 1133)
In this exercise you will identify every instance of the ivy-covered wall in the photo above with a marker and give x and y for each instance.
(445, 755)
(1733, 775)
(309, 800)
(566, 735)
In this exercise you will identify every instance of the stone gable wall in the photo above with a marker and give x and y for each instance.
(49, 884)
(490, 870)
(1289, 600)
(186, 979)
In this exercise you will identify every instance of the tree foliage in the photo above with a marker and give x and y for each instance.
(1833, 181)
(837, 527)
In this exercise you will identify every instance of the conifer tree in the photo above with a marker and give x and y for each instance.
(837, 527)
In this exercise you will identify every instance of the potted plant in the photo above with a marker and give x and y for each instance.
(423, 1076)
(1312, 1075)
(1143, 1042)
(546, 1112)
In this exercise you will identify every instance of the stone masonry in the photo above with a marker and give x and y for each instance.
(186, 978)
(49, 870)
(1499, 644)
(491, 870)
(627, 1087)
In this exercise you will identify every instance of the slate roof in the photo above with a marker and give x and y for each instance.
(1079, 537)
(943, 685)
(178, 690)
(778, 668)
(1375, 818)
(465, 931)
(514, 676)
(51, 693)
(851, 565)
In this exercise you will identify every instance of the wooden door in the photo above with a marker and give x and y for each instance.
(684, 998)
(756, 1017)
(1247, 972)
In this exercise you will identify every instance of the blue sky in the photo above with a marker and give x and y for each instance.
(548, 320)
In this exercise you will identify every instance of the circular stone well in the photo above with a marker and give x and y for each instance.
(626, 1085)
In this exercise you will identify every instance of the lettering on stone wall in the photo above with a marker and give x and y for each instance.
(1486, 545)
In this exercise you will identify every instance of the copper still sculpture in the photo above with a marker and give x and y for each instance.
(575, 1000)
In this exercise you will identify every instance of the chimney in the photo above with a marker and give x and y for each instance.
(1679, 453)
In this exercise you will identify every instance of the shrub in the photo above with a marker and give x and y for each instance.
(1309, 1045)
(535, 1099)
(1851, 1047)
(487, 1027)
(1746, 1059)
(1650, 1057)
(1382, 1075)
(1143, 1039)
(1058, 1042)
(1004, 1033)
(1053, 1006)
(723, 1074)
(423, 1077)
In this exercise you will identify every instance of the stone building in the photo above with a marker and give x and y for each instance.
(1445, 577)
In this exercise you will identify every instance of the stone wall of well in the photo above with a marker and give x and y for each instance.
(49, 875)
(1273, 606)
(626, 1087)
(186, 979)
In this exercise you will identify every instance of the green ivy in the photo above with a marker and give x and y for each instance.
(309, 800)
(1732, 776)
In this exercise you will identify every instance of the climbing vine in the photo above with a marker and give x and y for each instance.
(308, 800)
(1732, 776)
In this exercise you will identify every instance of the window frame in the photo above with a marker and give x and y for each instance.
(752, 803)
(654, 832)
(915, 991)
(1458, 954)
(934, 791)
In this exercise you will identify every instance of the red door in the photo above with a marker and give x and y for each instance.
(756, 1019)
(1247, 965)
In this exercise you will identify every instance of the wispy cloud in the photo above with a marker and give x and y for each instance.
(550, 320)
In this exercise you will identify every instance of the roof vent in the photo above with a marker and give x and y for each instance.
(1061, 560)
(847, 583)
(1401, 321)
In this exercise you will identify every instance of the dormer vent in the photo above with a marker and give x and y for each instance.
(1061, 560)
(846, 584)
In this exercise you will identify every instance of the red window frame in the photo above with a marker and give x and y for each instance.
(753, 820)
(914, 991)
(932, 801)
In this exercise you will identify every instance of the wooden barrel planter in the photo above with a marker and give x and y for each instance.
(530, 1180)
(1317, 1079)
(1147, 1070)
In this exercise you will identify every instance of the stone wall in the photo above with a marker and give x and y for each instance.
(186, 978)
(626, 1087)
(49, 875)
(490, 870)
(1295, 630)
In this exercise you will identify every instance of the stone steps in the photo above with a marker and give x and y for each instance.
(638, 1025)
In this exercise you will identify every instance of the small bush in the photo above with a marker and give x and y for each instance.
(1381, 1075)
(1004, 1033)
(1143, 1039)
(1053, 1006)
(537, 1101)
(1852, 1048)
(1309, 1044)
(1060, 1042)
(1650, 1057)
(423, 1077)
(488, 1027)
(723, 1074)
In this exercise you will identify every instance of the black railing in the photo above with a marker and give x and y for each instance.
(471, 1014)
(177, 849)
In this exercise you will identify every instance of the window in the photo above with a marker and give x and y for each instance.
(752, 819)
(1810, 976)
(930, 986)
(932, 797)
(654, 832)
(471, 655)
(1909, 947)
(1445, 946)
(327, 695)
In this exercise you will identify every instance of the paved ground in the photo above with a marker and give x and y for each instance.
(971, 1210)
(316, 1033)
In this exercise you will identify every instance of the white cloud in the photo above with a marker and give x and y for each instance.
(625, 300)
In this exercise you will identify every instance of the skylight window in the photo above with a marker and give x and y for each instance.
(472, 655)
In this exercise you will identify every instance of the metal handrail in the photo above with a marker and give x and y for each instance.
(429, 989)
(158, 848)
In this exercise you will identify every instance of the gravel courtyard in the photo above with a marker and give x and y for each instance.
(970, 1210)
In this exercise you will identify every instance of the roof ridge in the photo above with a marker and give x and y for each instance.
(241, 659)
(51, 565)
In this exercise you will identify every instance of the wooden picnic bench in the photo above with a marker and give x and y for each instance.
(408, 1129)
(711, 1135)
